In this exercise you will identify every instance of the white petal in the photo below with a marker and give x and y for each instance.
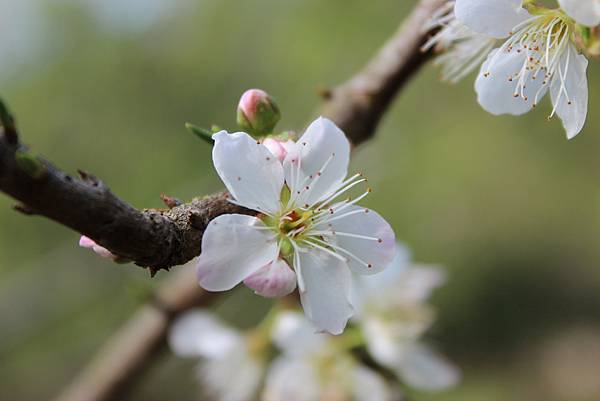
(322, 149)
(233, 247)
(495, 90)
(325, 299)
(585, 12)
(291, 379)
(200, 333)
(374, 254)
(251, 173)
(367, 286)
(384, 344)
(295, 335)
(424, 369)
(369, 385)
(571, 110)
(274, 280)
(417, 283)
(234, 377)
(495, 18)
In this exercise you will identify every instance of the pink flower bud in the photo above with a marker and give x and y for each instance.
(274, 280)
(86, 242)
(257, 113)
(278, 147)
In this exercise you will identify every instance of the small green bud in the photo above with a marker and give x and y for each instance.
(257, 113)
(30, 164)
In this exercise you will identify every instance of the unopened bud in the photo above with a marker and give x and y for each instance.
(86, 242)
(278, 147)
(257, 113)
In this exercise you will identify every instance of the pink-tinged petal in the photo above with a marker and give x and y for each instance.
(274, 280)
(103, 252)
(278, 148)
(201, 333)
(249, 171)
(234, 246)
(322, 154)
(494, 18)
(327, 291)
(86, 242)
(423, 368)
(370, 254)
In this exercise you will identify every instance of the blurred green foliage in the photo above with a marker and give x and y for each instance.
(507, 204)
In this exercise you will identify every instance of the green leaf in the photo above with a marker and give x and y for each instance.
(202, 133)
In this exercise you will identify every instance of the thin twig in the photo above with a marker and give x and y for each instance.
(357, 107)
(160, 239)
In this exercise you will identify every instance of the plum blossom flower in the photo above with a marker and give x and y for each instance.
(463, 50)
(391, 311)
(230, 369)
(539, 56)
(302, 224)
(311, 368)
(585, 12)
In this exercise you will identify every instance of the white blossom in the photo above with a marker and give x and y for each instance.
(229, 370)
(539, 56)
(311, 368)
(462, 49)
(585, 12)
(302, 223)
(391, 311)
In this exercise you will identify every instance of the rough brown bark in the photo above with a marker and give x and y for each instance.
(154, 238)
(163, 238)
(160, 239)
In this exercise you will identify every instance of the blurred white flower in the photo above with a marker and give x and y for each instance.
(230, 368)
(391, 311)
(311, 368)
(300, 223)
(585, 12)
(539, 55)
(463, 50)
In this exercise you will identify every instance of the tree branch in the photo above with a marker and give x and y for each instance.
(160, 239)
(356, 106)
(154, 238)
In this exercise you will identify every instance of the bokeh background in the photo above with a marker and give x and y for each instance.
(507, 204)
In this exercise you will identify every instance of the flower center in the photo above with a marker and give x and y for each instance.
(543, 40)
